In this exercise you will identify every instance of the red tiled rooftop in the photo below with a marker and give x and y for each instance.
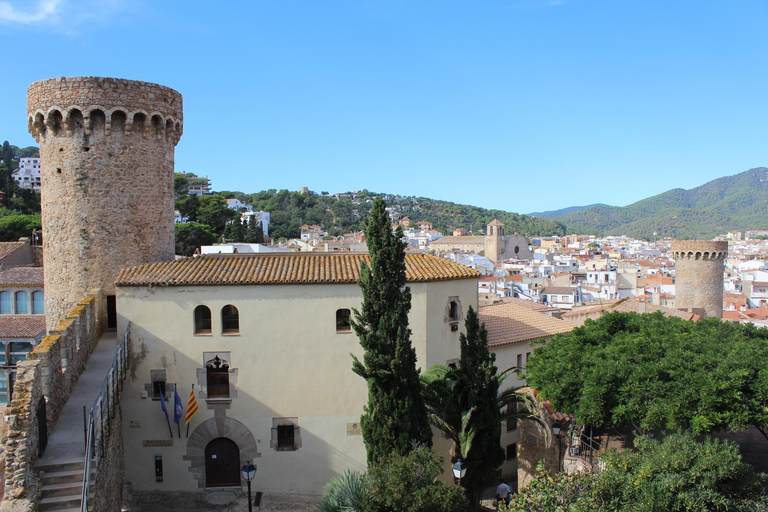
(233, 269)
(22, 326)
(510, 323)
(21, 277)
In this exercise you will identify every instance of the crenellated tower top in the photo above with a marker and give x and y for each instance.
(60, 106)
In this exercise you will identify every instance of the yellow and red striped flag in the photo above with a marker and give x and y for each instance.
(191, 407)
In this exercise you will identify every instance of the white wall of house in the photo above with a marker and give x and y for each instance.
(288, 361)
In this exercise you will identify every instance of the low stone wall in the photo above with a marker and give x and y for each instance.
(51, 371)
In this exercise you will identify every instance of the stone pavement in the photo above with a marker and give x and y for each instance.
(223, 501)
(67, 442)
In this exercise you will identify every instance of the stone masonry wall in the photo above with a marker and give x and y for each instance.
(532, 447)
(51, 371)
(699, 267)
(107, 158)
(109, 483)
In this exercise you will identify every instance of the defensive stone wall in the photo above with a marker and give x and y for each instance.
(50, 372)
(699, 266)
(107, 158)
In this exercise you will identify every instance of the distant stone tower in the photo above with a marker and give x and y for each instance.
(699, 267)
(495, 248)
(107, 152)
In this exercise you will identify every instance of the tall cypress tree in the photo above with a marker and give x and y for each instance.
(478, 380)
(395, 417)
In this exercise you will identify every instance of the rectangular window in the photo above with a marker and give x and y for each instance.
(3, 389)
(512, 422)
(512, 451)
(158, 384)
(527, 356)
(519, 360)
(286, 435)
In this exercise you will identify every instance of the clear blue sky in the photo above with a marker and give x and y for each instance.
(521, 105)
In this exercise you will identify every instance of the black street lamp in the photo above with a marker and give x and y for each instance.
(249, 471)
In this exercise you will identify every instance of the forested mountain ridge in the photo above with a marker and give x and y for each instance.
(342, 213)
(563, 211)
(737, 202)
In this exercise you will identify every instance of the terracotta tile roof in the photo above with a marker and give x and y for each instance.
(22, 326)
(628, 305)
(21, 277)
(7, 248)
(654, 280)
(559, 290)
(510, 323)
(310, 268)
(456, 240)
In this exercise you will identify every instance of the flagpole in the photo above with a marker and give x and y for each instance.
(169, 425)
(165, 411)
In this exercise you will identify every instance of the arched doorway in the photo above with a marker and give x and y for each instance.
(222, 463)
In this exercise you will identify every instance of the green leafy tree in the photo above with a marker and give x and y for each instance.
(466, 406)
(187, 206)
(13, 227)
(409, 482)
(395, 416)
(180, 185)
(255, 232)
(190, 236)
(675, 474)
(679, 474)
(213, 211)
(235, 232)
(657, 372)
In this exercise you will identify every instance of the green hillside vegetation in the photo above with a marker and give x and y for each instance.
(289, 210)
(737, 202)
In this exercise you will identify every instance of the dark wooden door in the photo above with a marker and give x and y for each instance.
(111, 312)
(222, 463)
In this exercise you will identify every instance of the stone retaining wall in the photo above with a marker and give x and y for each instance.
(51, 371)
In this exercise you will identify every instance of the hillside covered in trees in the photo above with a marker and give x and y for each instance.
(342, 213)
(736, 202)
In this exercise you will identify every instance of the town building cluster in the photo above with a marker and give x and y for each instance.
(259, 336)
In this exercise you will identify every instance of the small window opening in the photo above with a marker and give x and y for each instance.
(511, 451)
(230, 320)
(158, 384)
(286, 435)
(217, 378)
(285, 438)
(343, 323)
(202, 320)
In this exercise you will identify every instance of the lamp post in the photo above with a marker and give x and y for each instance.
(249, 471)
(557, 426)
(459, 470)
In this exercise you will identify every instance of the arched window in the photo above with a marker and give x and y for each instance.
(38, 302)
(202, 320)
(342, 321)
(230, 320)
(22, 307)
(5, 302)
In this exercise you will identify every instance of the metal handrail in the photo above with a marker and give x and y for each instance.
(582, 445)
(112, 384)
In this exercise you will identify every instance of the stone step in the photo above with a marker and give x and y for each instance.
(59, 503)
(68, 489)
(63, 477)
(63, 466)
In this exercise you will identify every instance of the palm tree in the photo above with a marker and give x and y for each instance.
(443, 396)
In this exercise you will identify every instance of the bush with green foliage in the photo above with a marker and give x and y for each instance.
(191, 236)
(676, 474)
(657, 372)
(409, 482)
(347, 492)
(14, 226)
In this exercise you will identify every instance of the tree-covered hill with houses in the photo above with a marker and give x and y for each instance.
(738, 202)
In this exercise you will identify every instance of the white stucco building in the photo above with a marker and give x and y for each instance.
(265, 340)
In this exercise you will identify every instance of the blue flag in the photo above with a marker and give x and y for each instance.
(162, 402)
(178, 408)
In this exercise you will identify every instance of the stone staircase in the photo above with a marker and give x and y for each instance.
(62, 486)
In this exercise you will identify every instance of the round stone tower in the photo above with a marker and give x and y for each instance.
(699, 267)
(106, 152)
